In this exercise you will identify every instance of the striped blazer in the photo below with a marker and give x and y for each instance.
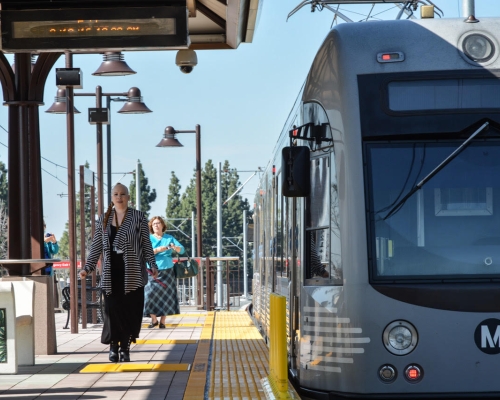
(133, 240)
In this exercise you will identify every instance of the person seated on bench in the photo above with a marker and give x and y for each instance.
(122, 237)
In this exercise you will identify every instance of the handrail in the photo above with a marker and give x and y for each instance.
(29, 261)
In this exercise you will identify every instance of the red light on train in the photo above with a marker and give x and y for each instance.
(393, 56)
(413, 373)
(274, 169)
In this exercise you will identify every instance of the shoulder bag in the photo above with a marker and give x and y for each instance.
(185, 269)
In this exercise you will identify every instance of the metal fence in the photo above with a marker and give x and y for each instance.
(219, 285)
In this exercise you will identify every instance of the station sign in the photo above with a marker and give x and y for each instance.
(94, 29)
(66, 265)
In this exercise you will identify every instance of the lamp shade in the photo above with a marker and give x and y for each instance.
(60, 101)
(169, 139)
(113, 65)
(134, 105)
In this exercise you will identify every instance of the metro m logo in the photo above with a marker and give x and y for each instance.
(487, 336)
(487, 340)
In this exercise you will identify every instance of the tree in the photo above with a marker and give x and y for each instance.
(147, 195)
(232, 212)
(4, 185)
(4, 215)
(3, 235)
(174, 196)
(64, 240)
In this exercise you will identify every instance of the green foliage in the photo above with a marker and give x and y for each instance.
(4, 184)
(3, 337)
(174, 196)
(4, 217)
(232, 211)
(147, 195)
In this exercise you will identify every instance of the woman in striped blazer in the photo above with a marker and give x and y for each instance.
(122, 238)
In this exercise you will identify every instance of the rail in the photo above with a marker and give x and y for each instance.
(196, 293)
(30, 261)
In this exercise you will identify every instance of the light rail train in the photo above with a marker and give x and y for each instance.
(378, 215)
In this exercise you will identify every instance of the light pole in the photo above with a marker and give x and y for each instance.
(100, 116)
(169, 140)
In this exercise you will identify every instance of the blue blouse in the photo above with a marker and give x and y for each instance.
(164, 258)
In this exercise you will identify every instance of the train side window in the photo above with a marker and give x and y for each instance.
(317, 223)
(279, 230)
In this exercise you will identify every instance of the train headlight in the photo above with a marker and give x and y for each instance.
(400, 337)
(478, 47)
(387, 373)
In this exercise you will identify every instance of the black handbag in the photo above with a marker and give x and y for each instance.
(186, 269)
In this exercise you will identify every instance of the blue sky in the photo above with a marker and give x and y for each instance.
(241, 99)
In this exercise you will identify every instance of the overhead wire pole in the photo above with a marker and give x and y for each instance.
(219, 238)
(198, 191)
(245, 268)
(138, 186)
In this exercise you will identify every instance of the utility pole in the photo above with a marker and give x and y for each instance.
(138, 186)
(219, 238)
(245, 269)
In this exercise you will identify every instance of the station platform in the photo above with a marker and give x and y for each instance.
(199, 355)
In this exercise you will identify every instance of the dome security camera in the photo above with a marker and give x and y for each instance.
(186, 60)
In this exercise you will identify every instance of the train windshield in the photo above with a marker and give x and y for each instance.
(450, 228)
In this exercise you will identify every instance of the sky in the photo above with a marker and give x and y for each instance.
(240, 98)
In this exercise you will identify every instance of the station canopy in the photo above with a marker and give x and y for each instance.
(116, 25)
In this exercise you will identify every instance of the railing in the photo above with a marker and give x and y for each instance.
(201, 291)
(197, 293)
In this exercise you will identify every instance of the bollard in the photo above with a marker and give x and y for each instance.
(278, 359)
(8, 351)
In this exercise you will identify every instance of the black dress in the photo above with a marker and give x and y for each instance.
(122, 312)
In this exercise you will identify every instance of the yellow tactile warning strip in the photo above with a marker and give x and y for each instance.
(239, 358)
(165, 341)
(130, 367)
(195, 389)
(175, 326)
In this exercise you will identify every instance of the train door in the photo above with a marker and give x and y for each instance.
(259, 258)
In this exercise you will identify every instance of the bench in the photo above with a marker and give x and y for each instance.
(91, 305)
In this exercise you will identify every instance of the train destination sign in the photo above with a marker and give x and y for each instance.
(92, 28)
(133, 28)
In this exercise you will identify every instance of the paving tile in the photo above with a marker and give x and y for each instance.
(58, 376)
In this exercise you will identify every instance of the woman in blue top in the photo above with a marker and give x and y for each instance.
(161, 293)
(50, 248)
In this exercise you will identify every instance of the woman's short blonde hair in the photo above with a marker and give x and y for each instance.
(163, 225)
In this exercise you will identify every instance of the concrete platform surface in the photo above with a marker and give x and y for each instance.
(199, 355)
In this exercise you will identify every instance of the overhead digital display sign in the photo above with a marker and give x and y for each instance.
(93, 28)
(133, 28)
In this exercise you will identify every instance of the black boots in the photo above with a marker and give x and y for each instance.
(113, 352)
(125, 350)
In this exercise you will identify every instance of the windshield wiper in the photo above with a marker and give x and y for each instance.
(419, 185)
